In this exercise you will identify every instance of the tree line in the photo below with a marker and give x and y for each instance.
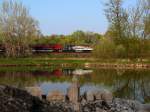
(128, 34)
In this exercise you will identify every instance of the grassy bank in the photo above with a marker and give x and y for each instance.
(47, 60)
(38, 61)
(27, 63)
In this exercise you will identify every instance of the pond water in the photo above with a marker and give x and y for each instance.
(128, 84)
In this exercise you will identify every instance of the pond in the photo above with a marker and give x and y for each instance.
(128, 84)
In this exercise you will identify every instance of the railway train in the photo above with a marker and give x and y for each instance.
(57, 48)
(60, 48)
(1, 48)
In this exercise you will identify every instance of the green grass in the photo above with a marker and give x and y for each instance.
(58, 61)
(36, 61)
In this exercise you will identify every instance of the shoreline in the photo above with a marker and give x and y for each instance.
(19, 100)
(76, 62)
(86, 65)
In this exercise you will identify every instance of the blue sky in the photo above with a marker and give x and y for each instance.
(67, 16)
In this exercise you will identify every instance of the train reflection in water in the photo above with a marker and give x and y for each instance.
(61, 72)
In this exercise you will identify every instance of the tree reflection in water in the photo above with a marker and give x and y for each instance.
(130, 84)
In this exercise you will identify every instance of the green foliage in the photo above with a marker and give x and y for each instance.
(77, 38)
(46, 40)
(85, 38)
(1, 40)
(147, 26)
(129, 30)
(128, 34)
(105, 48)
(120, 51)
(134, 48)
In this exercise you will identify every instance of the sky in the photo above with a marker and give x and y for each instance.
(67, 16)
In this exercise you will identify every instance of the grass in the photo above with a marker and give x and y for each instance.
(58, 61)
(36, 61)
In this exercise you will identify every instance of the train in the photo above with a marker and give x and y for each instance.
(65, 72)
(2, 49)
(43, 48)
(61, 48)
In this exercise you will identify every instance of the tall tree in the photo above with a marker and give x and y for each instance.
(146, 6)
(117, 17)
(135, 19)
(139, 19)
(17, 28)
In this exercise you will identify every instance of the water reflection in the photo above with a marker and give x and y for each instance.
(128, 84)
(60, 72)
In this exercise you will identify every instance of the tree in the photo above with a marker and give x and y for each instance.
(146, 6)
(120, 51)
(130, 30)
(105, 48)
(147, 27)
(139, 19)
(117, 18)
(91, 38)
(135, 20)
(17, 28)
(85, 38)
(79, 37)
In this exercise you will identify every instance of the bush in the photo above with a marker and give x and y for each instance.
(120, 51)
(105, 48)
